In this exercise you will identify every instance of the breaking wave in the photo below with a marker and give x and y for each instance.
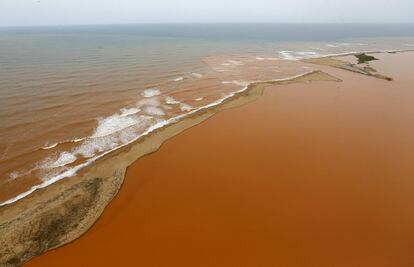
(114, 132)
(151, 92)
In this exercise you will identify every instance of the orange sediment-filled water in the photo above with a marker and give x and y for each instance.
(72, 129)
(71, 95)
(315, 174)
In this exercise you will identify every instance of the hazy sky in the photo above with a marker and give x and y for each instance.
(62, 12)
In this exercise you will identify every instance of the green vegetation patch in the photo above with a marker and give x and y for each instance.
(363, 58)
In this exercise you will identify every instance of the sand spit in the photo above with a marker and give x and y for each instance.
(335, 62)
(60, 213)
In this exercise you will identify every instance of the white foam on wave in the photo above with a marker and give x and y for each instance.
(197, 75)
(63, 159)
(155, 102)
(180, 78)
(235, 62)
(110, 142)
(297, 55)
(332, 45)
(154, 111)
(317, 48)
(267, 58)
(95, 145)
(171, 101)
(241, 83)
(336, 45)
(151, 106)
(185, 107)
(158, 124)
(99, 144)
(287, 55)
(46, 147)
(199, 99)
(306, 53)
(236, 82)
(151, 92)
(17, 174)
(129, 111)
(112, 124)
(14, 175)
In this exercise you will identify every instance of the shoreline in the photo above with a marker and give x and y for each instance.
(153, 128)
(57, 215)
(318, 60)
(315, 173)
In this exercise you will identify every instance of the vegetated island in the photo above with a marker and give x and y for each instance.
(361, 67)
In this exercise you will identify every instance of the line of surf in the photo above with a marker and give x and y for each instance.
(71, 172)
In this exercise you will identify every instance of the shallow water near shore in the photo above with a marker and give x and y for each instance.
(71, 94)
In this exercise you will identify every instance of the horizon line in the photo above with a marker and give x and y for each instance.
(201, 23)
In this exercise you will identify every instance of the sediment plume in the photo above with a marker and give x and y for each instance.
(53, 216)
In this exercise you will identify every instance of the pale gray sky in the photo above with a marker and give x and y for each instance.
(63, 12)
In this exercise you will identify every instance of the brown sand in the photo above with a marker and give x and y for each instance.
(308, 175)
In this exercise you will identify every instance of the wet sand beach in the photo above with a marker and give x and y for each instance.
(315, 174)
